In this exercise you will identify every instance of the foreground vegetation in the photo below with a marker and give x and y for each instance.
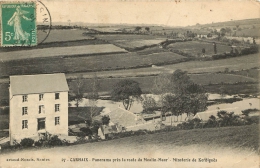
(231, 137)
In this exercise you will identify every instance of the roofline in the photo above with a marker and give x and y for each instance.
(39, 93)
(36, 74)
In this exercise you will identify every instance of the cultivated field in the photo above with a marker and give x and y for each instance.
(195, 47)
(62, 52)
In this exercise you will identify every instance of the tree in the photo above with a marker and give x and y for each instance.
(93, 95)
(215, 47)
(162, 84)
(149, 104)
(147, 29)
(76, 87)
(187, 97)
(126, 91)
(203, 51)
(223, 31)
(138, 28)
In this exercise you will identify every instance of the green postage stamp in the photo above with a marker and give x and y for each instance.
(18, 24)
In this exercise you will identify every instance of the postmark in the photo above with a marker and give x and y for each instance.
(18, 24)
(44, 22)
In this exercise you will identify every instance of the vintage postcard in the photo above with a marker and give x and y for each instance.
(129, 83)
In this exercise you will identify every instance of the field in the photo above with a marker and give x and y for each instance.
(132, 41)
(66, 35)
(236, 63)
(195, 47)
(63, 51)
(84, 64)
(119, 37)
(138, 43)
(106, 29)
(248, 33)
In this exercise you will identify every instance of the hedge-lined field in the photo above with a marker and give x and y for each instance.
(62, 52)
(234, 63)
(194, 48)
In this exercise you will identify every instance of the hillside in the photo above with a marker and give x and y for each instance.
(230, 23)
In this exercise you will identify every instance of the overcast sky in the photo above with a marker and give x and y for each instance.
(182, 13)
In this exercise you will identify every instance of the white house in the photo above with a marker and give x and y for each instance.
(38, 104)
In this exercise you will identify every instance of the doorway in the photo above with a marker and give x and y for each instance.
(41, 123)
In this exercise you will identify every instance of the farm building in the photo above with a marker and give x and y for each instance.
(38, 105)
(120, 120)
(124, 117)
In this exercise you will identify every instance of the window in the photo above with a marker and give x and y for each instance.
(57, 107)
(25, 110)
(25, 98)
(41, 109)
(25, 124)
(40, 97)
(41, 123)
(57, 96)
(57, 120)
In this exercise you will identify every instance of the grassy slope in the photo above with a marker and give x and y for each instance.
(239, 136)
(231, 146)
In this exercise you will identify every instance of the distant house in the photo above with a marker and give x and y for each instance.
(38, 104)
(202, 35)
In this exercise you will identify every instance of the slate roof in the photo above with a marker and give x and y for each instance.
(124, 117)
(33, 84)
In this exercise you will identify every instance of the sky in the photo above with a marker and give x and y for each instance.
(168, 13)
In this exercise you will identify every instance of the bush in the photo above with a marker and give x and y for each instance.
(38, 143)
(247, 111)
(54, 141)
(27, 142)
(81, 137)
(87, 131)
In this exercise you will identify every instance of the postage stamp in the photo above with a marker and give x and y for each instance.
(18, 24)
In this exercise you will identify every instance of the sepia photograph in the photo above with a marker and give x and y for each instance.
(129, 83)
